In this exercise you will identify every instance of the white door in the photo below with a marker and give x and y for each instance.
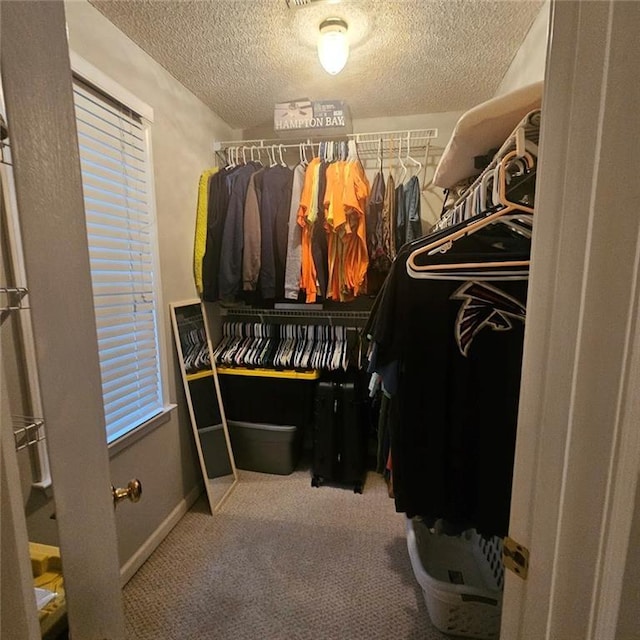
(578, 446)
(577, 457)
(37, 87)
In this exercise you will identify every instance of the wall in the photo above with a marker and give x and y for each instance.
(182, 134)
(528, 64)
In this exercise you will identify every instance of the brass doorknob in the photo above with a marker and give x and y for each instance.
(133, 492)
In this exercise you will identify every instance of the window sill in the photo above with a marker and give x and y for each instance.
(124, 442)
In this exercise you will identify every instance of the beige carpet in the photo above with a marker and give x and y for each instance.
(282, 561)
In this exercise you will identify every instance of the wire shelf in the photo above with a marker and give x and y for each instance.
(367, 143)
(309, 316)
(15, 298)
(27, 431)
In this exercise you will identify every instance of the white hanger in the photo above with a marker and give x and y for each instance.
(495, 195)
(469, 210)
(445, 242)
(353, 151)
(483, 190)
(415, 162)
(282, 162)
(244, 157)
(404, 168)
(230, 164)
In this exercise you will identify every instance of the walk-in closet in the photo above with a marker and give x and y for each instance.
(319, 320)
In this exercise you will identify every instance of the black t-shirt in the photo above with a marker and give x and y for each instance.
(458, 344)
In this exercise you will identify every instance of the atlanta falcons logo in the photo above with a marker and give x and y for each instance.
(483, 306)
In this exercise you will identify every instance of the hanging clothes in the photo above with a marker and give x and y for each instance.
(356, 255)
(251, 257)
(233, 234)
(413, 224)
(200, 241)
(334, 218)
(379, 259)
(374, 218)
(319, 241)
(274, 219)
(400, 229)
(389, 219)
(306, 220)
(216, 217)
(255, 246)
(455, 347)
(345, 203)
(294, 239)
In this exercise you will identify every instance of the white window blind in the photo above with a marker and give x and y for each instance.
(118, 194)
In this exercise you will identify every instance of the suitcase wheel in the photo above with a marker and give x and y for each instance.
(357, 488)
(315, 481)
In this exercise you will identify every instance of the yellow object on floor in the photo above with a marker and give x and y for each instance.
(47, 574)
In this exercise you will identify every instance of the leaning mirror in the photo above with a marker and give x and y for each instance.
(202, 391)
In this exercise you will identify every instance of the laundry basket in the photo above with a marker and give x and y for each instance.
(461, 579)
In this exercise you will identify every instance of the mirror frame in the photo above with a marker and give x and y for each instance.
(175, 306)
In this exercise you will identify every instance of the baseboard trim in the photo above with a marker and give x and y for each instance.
(130, 567)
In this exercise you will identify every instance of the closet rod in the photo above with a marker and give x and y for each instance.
(413, 135)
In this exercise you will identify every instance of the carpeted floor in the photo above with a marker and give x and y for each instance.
(282, 561)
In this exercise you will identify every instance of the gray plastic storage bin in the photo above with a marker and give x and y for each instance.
(214, 450)
(267, 448)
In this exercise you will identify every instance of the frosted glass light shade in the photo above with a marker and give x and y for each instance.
(333, 46)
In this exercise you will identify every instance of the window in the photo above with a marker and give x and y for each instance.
(118, 199)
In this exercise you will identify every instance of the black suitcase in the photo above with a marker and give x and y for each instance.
(339, 442)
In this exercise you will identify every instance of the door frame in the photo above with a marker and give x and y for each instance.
(578, 446)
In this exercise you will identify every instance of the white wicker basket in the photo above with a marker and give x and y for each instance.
(461, 579)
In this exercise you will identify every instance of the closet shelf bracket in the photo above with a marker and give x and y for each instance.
(5, 153)
(14, 298)
(27, 431)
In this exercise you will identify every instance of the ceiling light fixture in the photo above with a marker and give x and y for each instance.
(333, 46)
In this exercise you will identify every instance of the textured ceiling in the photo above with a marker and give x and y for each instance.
(407, 56)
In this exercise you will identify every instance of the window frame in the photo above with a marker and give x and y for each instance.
(87, 73)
